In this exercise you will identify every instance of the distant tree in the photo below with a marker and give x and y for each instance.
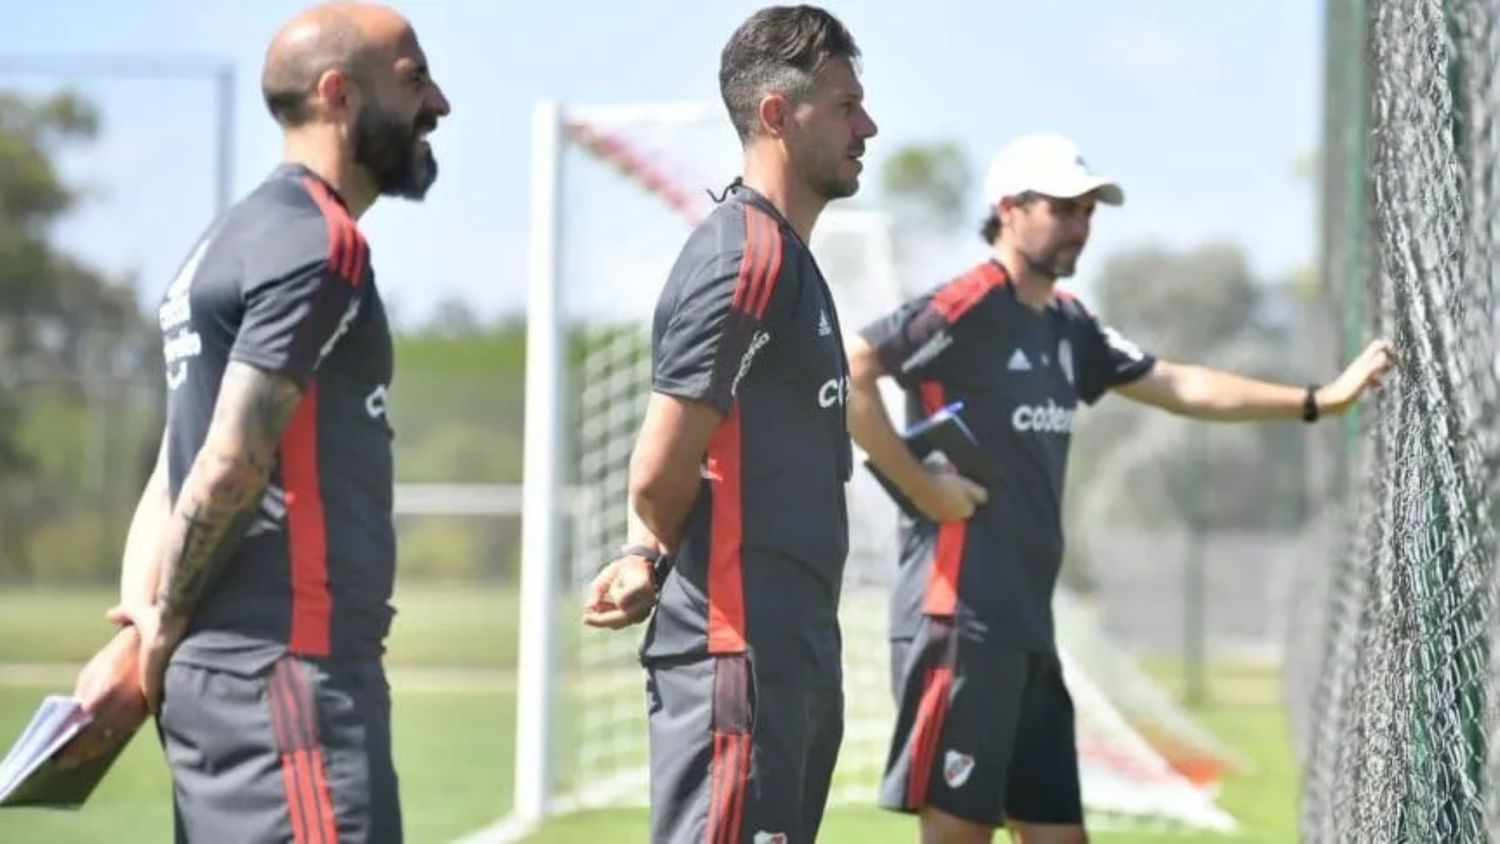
(927, 184)
(453, 318)
(1189, 304)
(61, 323)
(1139, 466)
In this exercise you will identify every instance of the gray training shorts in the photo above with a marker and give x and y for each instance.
(297, 750)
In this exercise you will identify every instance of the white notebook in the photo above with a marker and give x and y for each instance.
(55, 722)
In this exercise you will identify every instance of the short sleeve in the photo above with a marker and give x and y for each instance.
(912, 339)
(300, 293)
(909, 340)
(724, 311)
(1106, 359)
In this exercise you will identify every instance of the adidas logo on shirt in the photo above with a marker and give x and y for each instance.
(1019, 362)
(824, 327)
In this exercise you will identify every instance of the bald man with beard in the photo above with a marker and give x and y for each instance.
(257, 574)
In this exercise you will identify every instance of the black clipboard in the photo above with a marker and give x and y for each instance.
(943, 435)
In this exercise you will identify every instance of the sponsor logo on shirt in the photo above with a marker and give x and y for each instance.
(1046, 418)
(180, 343)
(350, 313)
(272, 512)
(1120, 345)
(1019, 362)
(835, 391)
(764, 837)
(375, 402)
(757, 342)
(956, 768)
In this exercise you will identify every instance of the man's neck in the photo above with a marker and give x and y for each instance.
(322, 153)
(767, 173)
(1032, 288)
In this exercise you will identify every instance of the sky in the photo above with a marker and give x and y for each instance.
(1200, 110)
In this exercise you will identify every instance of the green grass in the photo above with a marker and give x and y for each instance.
(453, 742)
(436, 626)
(451, 654)
(453, 755)
(454, 626)
(1262, 799)
(52, 624)
(135, 796)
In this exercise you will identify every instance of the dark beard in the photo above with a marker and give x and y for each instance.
(835, 188)
(386, 147)
(830, 185)
(1052, 268)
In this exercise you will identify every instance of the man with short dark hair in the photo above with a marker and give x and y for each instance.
(737, 478)
(985, 733)
(259, 566)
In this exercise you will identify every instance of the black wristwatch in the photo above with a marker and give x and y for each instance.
(1310, 404)
(660, 563)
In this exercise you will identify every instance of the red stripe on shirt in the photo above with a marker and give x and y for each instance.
(348, 252)
(307, 528)
(726, 584)
(759, 266)
(748, 273)
(772, 246)
(959, 296)
(942, 580)
(948, 552)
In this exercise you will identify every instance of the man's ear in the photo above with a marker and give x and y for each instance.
(775, 111)
(335, 94)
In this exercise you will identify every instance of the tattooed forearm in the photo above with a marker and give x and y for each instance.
(222, 491)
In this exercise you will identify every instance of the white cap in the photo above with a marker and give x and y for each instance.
(1048, 164)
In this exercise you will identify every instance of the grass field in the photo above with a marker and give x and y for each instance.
(451, 657)
(1262, 800)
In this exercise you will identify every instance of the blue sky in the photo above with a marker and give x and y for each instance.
(1200, 109)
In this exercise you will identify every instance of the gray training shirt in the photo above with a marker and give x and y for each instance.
(746, 324)
(282, 282)
(1020, 374)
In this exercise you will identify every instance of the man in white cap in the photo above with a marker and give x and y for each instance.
(984, 736)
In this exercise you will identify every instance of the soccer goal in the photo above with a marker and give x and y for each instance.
(616, 190)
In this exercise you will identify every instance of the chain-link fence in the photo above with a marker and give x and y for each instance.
(1395, 729)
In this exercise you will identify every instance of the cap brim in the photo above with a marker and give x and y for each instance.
(1107, 191)
(1110, 193)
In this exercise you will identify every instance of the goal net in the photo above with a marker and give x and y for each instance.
(618, 190)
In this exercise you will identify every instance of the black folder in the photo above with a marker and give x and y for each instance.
(942, 436)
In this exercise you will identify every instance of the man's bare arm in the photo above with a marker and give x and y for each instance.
(943, 497)
(223, 489)
(108, 686)
(871, 425)
(624, 590)
(1212, 394)
(664, 483)
(140, 563)
(664, 468)
(1218, 395)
